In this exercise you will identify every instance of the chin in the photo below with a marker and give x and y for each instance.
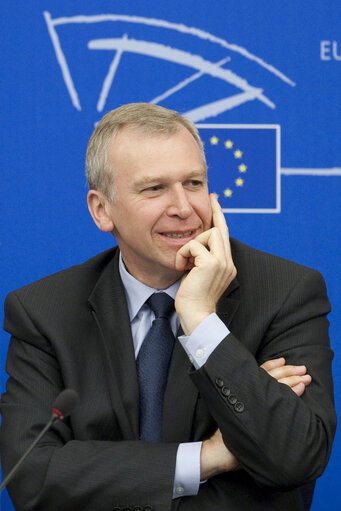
(169, 267)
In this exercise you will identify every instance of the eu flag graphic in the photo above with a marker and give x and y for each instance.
(243, 166)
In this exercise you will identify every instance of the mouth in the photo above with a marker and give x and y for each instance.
(178, 235)
(178, 238)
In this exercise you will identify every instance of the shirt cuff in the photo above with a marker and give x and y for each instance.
(204, 339)
(187, 470)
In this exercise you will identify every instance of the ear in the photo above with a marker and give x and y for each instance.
(99, 209)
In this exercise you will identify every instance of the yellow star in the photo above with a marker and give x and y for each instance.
(214, 140)
(228, 192)
(238, 153)
(242, 167)
(228, 144)
(239, 181)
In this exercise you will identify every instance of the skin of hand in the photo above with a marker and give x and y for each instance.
(295, 377)
(215, 457)
(210, 270)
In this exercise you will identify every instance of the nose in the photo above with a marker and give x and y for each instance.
(179, 204)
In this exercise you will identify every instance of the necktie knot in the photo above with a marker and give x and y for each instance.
(161, 304)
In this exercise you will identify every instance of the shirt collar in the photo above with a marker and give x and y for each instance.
(137, 293)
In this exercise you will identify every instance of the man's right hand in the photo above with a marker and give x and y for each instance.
(215, 457)
(212, 271)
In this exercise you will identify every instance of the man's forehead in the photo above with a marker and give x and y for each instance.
(137, 148)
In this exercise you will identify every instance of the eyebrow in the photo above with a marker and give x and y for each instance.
(145, 180)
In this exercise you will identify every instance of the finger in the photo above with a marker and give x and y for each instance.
(207, 237)
(214, 241)
(298, 389)
(218, 220)
(287, 370)
(218, 217)
(197, 248)
(273, 364)
(291, 381)
(191, 253)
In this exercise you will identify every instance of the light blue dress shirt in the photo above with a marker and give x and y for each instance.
(198, 346)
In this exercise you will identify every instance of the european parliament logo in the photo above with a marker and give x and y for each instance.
(243, 166)
(186, 61)
(125, 50)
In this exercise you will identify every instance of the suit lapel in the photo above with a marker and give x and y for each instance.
(110, 311)
(181, 394)
(180, 398)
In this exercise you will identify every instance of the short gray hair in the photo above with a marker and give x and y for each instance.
(144, 118)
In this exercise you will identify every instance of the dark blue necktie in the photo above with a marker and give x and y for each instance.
(152, 367)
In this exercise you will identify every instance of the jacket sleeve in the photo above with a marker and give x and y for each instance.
(68, 470)
(280, 439)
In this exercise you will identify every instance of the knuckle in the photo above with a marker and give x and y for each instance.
(233, 270)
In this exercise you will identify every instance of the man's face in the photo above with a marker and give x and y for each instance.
(161, 201)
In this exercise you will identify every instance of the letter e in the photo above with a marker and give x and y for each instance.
(325, 48)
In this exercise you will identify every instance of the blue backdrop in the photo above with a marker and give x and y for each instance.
(262, 81)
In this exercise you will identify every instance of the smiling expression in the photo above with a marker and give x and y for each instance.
(161, 201)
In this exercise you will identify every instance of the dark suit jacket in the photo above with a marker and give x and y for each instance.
(72, 330)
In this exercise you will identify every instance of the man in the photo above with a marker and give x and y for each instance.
(224, 433)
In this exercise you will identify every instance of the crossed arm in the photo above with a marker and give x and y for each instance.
(210, 269)
(215, 456)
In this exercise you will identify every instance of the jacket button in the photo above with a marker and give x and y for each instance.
(219, 382)
(239, 407)
(225, 391)
(232, 399)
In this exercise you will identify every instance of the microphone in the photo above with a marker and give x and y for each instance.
(63, 405)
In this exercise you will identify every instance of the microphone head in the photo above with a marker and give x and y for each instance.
(64, 403)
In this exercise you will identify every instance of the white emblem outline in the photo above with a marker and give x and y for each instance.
(158, 50)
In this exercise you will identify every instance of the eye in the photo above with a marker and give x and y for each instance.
(152, 190)
(195, 183)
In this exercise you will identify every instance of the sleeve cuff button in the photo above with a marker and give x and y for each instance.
(225, 391)
(239, 407)
(219, 382)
